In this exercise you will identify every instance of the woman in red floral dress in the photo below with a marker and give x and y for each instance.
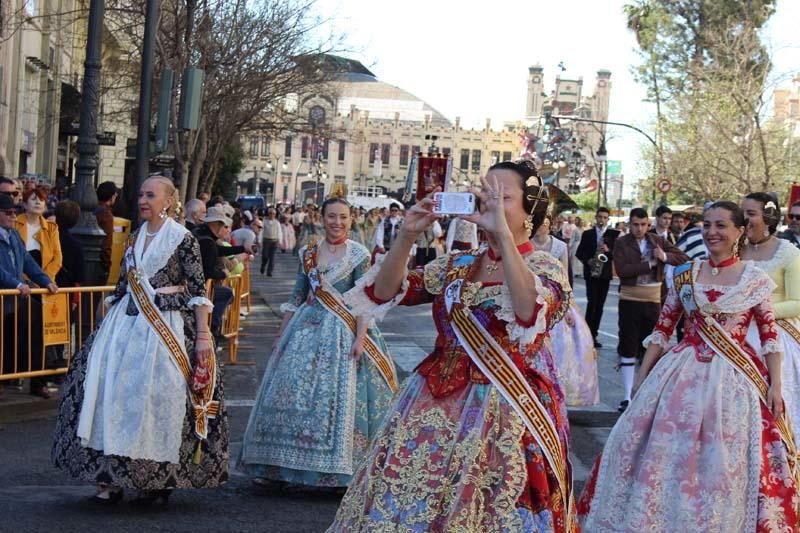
(703, 445)
(455, 454)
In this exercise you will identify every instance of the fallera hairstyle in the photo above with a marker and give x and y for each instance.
(737, 215)
(661, 210)
(334, 200)
(638, 212)
(106, 190)
(602, 209)
(171, 192)
(770, 207)
(534, 192)
(67, 214)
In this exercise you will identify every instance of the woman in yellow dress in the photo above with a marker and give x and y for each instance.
(781, 260)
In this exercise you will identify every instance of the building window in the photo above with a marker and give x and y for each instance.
(373, 152)
(264, 147)
(464, 160)
(287, 149)
(476, 160)
(253, 147)
(385, 151)
(446, 151)
(404, 155)
(415, 150)
(495, 158)
(304, 148)
(342, 147)
(506, 156)
(324, 149)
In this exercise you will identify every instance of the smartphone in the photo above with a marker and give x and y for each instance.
(453, 203)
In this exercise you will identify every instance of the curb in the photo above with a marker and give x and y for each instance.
(598, 416)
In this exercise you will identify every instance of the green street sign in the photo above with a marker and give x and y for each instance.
(613, 168)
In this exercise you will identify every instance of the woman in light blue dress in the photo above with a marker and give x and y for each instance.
(324, 395)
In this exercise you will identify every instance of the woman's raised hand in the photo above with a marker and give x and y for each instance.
(492, 216)
(420, 215)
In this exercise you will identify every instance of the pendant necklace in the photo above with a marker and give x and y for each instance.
(716, 266)
(762, 241)
(333, 244)
(523, 249)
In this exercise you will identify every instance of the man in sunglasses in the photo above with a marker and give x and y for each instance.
(792, 234)
(11, 189)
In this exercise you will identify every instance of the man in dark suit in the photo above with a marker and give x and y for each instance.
(596, 285)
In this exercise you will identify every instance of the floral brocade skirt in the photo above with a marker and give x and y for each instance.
(576, 360)
(464, 462)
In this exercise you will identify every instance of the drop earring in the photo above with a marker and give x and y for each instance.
(163, 213)
(528, 224)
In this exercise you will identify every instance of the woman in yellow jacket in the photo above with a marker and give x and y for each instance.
(39, 235)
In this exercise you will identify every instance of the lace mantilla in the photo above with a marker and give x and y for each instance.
(754, 287)
(784, 254)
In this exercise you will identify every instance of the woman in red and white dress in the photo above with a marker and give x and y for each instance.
(702, 446)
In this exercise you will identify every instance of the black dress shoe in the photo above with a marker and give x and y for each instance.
(597, 344)
(623, 405)
(149, 497)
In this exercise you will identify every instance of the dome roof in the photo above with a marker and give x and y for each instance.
(359, 87)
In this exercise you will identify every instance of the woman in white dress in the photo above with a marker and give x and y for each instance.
(704, 444)
(148, 414)
(570, 339)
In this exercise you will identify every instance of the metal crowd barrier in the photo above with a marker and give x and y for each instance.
(43, 329)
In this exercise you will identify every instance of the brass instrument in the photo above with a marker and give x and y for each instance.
(596, 264)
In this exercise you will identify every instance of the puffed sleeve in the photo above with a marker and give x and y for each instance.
(767, 328)
(552, 300)
(300, 291)
(790, 307)
(671, 313)
(189, 255)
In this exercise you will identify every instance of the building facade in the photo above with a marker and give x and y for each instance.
(786, 108)
(368, 132)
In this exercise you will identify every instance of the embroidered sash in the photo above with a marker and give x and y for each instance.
(789, 328)
(720, 341)
(204, 406)
(329, 298)
(498, 367)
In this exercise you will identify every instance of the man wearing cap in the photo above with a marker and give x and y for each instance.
(207, 235)
(15, 264)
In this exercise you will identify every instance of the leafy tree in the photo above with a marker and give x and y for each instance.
(231, 162)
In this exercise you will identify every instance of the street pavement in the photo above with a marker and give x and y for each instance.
(34, 496)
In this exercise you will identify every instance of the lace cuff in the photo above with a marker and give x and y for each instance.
(359, 302)
(657, 337)
(522, 333)
(771, 346)
(288, 308)
(200, 300)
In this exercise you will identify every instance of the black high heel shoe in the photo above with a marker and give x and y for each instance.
(114, 497)
(149, 497)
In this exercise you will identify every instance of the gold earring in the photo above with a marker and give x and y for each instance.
(528, 224)
(736, 248)
(163, 213)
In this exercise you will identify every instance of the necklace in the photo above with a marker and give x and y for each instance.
(333, 244)
(762, 241)
(722, 264)
(523, 249)
(148, 234)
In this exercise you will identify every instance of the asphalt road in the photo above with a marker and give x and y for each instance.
(34, 496)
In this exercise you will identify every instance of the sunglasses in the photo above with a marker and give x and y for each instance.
(9, 212)
(793, 217)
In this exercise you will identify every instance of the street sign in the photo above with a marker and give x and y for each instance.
(613, 168)
(664, 185)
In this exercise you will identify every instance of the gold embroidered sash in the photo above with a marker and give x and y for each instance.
(720, 341)
(498, 367)
(204, 406)
(327, 297)
(789, 328)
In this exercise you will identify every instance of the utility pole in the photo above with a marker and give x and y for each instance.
(145, 94)
(87, 231)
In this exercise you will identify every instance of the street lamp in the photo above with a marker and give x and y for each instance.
(601, 157)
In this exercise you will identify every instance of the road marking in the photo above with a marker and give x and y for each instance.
(608, 334)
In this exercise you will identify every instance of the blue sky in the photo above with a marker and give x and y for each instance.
(470, 59)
